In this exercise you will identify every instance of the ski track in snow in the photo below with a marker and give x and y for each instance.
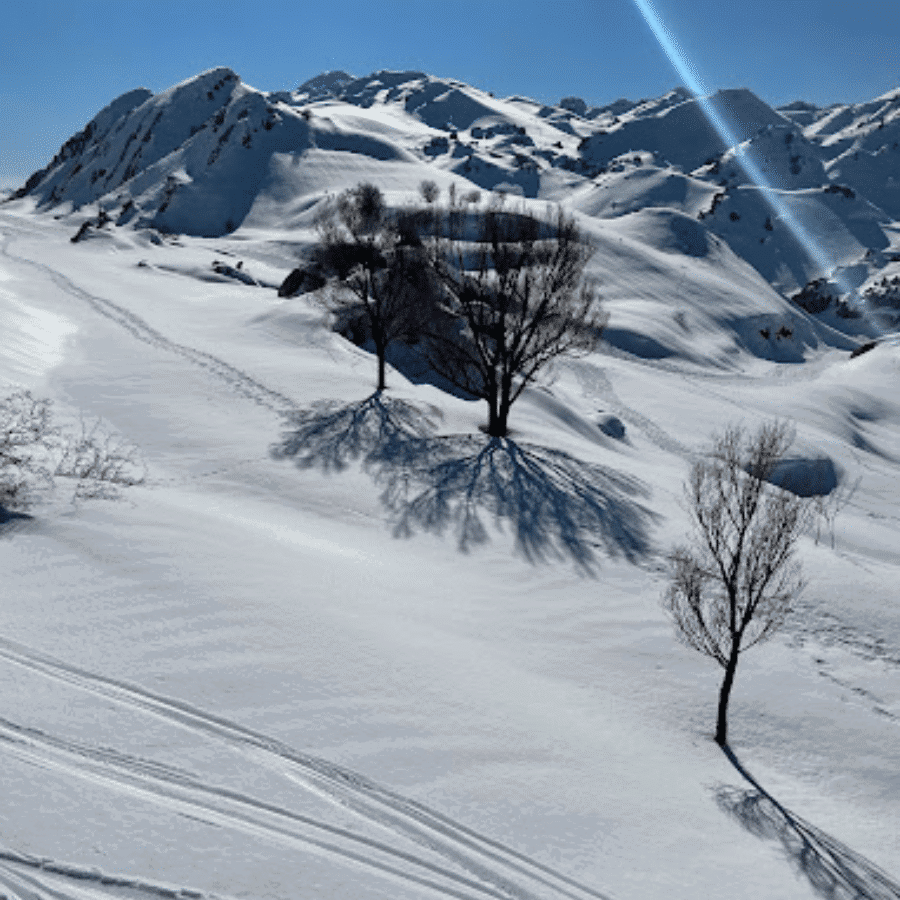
(596, 384)
(139, 329)
(494, 870)
(93, 884)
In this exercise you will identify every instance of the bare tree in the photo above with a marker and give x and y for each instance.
(99, 462)
(429, 191)
(34, 451)
(734, 585)
(26, 430)
(514, 299)
(375, 263)
(827, 507)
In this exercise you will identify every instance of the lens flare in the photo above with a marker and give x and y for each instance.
(820, 259)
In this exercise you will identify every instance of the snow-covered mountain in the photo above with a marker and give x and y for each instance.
(212, 155)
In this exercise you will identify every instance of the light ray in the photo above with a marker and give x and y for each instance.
(743, 158)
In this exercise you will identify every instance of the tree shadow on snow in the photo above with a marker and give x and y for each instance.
(556, 506)
(834, 870)
(331, 435)
(11, 520)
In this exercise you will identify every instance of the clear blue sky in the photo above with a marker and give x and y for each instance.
(60, 63)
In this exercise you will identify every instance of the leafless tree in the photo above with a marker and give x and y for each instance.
(827, 507)
(34, 451)
(429, 191)
(99, 462)
(514, 299)
(734, 585)
(375, 264)
(25, 430)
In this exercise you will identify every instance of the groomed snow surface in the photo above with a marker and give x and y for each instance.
(237, 681)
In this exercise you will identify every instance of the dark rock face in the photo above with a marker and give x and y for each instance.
(863, 348)
(574, 104)
(612, 426)
(81, 233)
(299, 281)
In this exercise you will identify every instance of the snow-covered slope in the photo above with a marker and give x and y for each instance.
(237, 682)
(859, 143)
(681, 133)
(277, 669)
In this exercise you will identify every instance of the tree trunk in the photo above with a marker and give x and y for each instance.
(724, 694)
(503, 405)
(496, 427)
(378, 338)
(380, 351)
(498, 407)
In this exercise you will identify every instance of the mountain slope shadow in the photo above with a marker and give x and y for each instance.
(557, 506)
(834, 870)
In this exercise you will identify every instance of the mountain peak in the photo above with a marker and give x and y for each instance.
(324, 86)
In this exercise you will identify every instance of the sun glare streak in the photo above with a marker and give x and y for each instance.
(743, 158)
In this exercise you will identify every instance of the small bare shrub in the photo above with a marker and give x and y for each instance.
(100, 462)
(827, 506)
(34, 451)
(26, 431)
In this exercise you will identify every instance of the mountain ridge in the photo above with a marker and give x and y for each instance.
(211, 155)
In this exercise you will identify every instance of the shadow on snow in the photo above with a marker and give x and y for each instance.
(10, 520)
(556, 506)
(834, 870)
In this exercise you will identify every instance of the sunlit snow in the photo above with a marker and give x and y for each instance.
(260, 674)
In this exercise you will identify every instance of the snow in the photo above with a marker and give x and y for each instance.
(681, 133)
(239, 681)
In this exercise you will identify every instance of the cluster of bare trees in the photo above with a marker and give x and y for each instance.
(491, 295)
(494, 294)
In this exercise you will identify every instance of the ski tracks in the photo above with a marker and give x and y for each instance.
(20, 879)
(142, 331)
(596, 384)
(451, 860)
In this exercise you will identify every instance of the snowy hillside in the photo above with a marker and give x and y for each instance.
(212, 155)
(395, 660)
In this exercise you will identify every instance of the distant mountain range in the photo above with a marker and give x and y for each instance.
(212, 155)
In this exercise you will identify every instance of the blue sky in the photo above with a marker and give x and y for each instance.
(62, 62)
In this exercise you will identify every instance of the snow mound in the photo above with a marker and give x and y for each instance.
(675, 289)
(632, 182)
(673, 232)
